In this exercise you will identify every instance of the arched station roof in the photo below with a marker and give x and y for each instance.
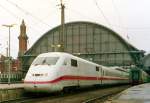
(88, 40)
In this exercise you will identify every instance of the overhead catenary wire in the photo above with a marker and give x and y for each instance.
(7, 10)
(101, 11)
(117, 13)
(28, 13)
(119, 18)
(90, 18)
(79, 13)
(16, 16)
(75, 11)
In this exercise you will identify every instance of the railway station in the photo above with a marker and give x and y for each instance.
(88, 40)
(74, 62)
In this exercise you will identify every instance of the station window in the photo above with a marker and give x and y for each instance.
(74, 63)
(97, 68)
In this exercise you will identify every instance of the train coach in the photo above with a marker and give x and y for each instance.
(55, 71)
(138, 76)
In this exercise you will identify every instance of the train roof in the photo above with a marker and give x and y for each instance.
(63, 54)
(50, 54)
(119, 69)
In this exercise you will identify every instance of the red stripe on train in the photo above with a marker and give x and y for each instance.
(68, 77)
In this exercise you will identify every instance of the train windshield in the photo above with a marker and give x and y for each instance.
(45, 61)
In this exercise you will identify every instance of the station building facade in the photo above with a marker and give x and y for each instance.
(15, 63)
(4, 64)
(87, 40)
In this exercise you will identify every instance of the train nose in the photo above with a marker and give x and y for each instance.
(37, 87)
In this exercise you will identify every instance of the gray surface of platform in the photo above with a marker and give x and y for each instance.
(11, 92)
(136, 94)
(11, 86)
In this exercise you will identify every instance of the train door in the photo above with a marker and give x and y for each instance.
(98, 70)
(34, 79)
(75, 71)
(100, 75)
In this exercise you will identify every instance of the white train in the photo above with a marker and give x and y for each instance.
(55, 71)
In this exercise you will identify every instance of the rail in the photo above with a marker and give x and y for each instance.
(78, 96)
(100, 97)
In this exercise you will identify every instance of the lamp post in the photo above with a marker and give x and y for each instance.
(9, 60)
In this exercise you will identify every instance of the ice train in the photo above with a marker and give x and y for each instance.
(54, 71)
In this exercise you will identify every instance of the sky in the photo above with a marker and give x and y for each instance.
(129, 18)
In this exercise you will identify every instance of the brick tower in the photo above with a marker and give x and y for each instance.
(22, 40)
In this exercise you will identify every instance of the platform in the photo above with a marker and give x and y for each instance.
(11, 91)
(136, 94)
(11, 86)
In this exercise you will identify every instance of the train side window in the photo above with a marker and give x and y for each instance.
(74, 63)
(97, 68)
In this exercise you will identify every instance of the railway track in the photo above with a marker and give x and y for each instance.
(19, 100)
(100, 99)
(86, 95)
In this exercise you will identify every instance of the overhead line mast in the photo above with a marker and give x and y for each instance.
(62, 41)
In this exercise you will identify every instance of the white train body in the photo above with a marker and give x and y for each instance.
(54, 71)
